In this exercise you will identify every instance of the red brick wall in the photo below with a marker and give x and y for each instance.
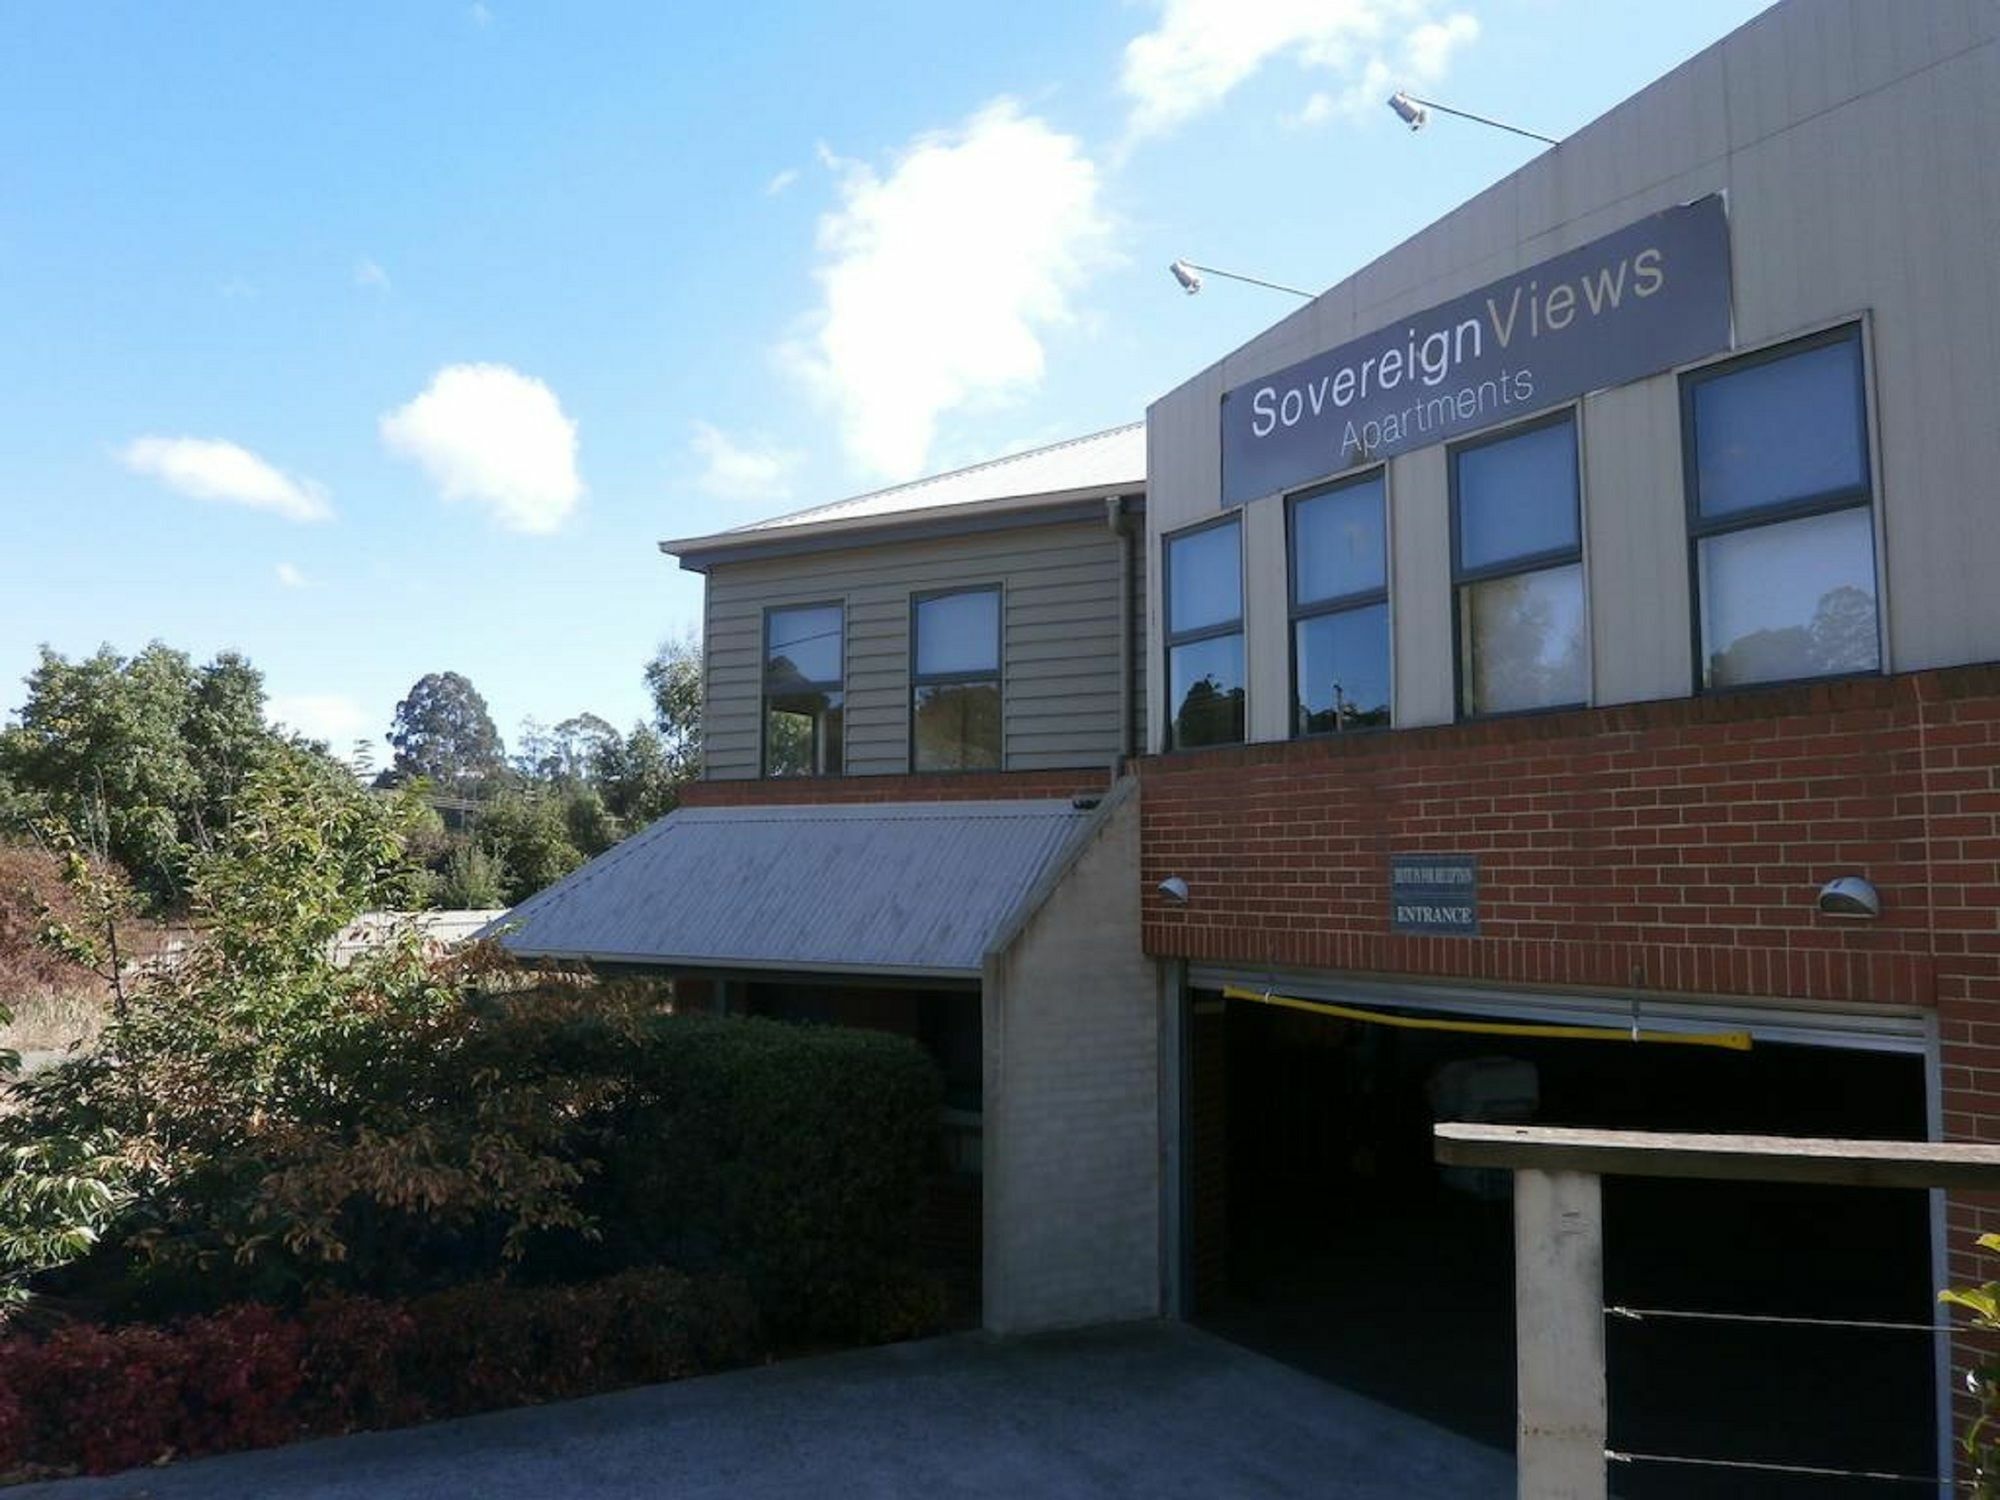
(1673, 846)
(963, 786)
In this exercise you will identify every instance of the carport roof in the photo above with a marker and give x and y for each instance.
(907, 889)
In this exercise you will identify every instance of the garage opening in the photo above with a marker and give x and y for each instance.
(1322, 1232)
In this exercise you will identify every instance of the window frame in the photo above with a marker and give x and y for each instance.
(1172, 638)
(1337, 604)
(764, 772)
(1701, 528)
(1570, 414)
(998, 676)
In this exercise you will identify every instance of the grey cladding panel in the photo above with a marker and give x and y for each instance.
(1060, 650)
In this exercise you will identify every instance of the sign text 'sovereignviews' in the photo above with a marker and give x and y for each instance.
(1648, 297)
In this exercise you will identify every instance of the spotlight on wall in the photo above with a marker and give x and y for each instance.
(1852, 896)
(1175, 890)
(1409, 111)
(1189, 275)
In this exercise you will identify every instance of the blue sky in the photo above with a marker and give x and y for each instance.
(390, 337)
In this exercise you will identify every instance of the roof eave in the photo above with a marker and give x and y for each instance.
(699, 554)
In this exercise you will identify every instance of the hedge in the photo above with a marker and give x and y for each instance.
(104, 1399)
(794, 1155)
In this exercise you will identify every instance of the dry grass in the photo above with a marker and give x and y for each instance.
(53, 1020)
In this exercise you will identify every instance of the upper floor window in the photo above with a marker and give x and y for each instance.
(1204, 589)
(955, 681)
(1340, 608)
(1517, 564)
(1779, 513)
(804, 657)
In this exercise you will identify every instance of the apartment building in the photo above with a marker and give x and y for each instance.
(1550, 675)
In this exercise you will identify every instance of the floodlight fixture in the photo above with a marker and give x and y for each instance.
(1416, 114)
(1189, 275)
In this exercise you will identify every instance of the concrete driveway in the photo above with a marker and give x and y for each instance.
(1148, 1410)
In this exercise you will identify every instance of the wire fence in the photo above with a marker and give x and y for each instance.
(1766, 1466)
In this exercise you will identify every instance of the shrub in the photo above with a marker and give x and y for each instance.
(488, 1345)
(795, 1155)
(104, 1399)
(352, 1365)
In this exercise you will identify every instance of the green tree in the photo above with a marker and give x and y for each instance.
(143, 757)
(263, 1117)
(443, 733)
(528, 835)
(673, 677)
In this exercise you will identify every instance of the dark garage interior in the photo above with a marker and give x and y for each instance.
(1322, 1233)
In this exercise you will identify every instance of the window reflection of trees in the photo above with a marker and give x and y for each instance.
(958, 727)
(1209, 714)
(1840, 637)
(1524, 656)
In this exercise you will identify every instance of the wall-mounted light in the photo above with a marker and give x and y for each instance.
(1416, 113)
(1175, 890)
(1189, 275)
(1851, 896)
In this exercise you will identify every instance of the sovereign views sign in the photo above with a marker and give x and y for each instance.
(1653, 295)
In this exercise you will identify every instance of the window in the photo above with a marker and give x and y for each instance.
(803, 668)
(1517, 563)
(1779, 517)
(955, 681)
(1340, 608)
(1204, 591)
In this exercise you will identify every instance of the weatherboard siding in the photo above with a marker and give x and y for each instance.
(1059, 649)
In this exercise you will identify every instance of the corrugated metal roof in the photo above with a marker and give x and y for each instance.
(1101, 461)
(911, 888)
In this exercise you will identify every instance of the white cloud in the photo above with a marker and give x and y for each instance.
(332, 717)
(493, 436)
(369, 273)
(290, 576)
(1202, 49)
(210, 469)
(732, 470)
(480, 15)
(1423, 58)
(780, 181)
(940, 278)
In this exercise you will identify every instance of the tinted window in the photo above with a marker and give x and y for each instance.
(959, 633)
(1342, 666)
(1780, 431)
(1517, 497)
(1337, 542)
(1204, 578)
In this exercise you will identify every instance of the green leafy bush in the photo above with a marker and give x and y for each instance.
(1981, 1440)
(794, 1154)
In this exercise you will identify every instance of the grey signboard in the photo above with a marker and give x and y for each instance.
(1434, 893)
(1650, 296)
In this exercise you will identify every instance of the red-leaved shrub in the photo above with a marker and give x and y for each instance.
(240, 1380)
(104, 1399)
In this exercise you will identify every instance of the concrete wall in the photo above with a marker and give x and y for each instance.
(1071, 1029)
(1059, 646)
(1860, 151)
